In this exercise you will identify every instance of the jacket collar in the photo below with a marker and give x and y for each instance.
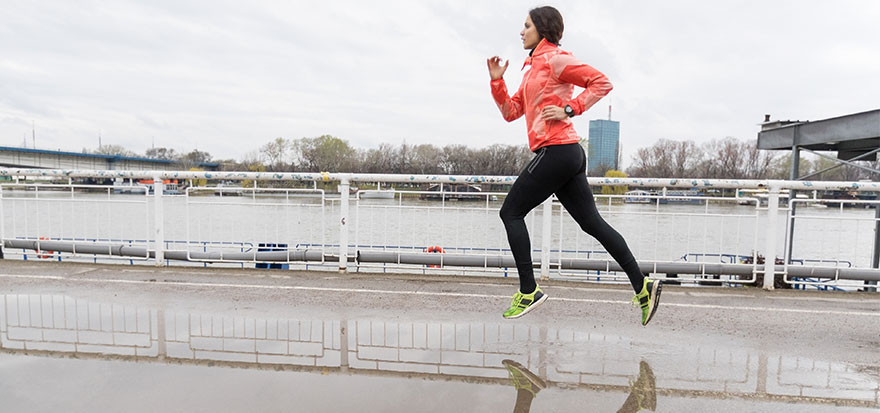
(543, 47)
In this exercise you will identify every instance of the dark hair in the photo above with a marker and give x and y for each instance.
(548, 22)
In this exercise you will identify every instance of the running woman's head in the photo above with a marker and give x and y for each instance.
(542, 23)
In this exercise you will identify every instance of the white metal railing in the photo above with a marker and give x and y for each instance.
(38, 205)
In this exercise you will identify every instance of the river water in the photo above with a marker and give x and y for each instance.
(654, 232)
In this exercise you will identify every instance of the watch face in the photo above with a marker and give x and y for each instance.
(568, 110)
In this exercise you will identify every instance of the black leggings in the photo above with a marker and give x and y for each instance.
(559, 169)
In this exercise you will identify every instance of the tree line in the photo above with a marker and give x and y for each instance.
(727, 158)
(329, 153)
(187, 160)
(731, 158)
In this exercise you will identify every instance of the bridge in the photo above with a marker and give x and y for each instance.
(47, 159)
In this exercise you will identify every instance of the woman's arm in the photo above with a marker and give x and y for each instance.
(511, 107)
(596, 85)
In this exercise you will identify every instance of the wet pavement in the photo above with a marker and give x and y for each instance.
(100, 338)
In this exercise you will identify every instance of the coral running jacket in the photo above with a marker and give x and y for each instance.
(550, 81)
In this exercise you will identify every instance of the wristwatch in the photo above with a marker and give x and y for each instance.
(569, 111)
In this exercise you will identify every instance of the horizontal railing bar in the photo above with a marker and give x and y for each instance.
(452, 179)
(142, 252)
(459, 260)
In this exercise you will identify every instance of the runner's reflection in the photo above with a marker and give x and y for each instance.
(642, 395)
(527, 385)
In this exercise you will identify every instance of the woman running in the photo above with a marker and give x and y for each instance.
(559, 165)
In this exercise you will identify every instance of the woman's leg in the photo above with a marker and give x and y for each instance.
(577, 198)
(530, 189)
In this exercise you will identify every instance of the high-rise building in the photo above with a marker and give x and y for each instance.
(603, 150)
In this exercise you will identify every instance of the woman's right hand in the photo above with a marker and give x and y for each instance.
(496, 71)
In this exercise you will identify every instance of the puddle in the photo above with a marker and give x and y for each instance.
(60, 352)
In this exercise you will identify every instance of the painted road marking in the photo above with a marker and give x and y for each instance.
(437, 294)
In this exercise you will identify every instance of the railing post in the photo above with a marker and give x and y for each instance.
(875, 257)
(343, 227)
(2, 228)
(159, 235)
(770, 242)
(546, 222)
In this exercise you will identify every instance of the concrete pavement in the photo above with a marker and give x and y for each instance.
(235, 339)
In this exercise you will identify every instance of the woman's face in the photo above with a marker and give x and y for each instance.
(529, 35)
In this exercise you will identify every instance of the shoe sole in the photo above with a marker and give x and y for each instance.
(530, 308)
(658, 288)
(540, 384)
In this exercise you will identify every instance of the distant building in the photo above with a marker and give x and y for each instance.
(48, 159)
(603, 149)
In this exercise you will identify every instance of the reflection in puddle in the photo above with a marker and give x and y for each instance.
(642, 393)
(530, 358)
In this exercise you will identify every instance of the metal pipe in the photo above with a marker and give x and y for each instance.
(125, 250)
(395, 178)
(848, 163)
(460, 260)
(838, 165)
(268, 256)
(80, 247)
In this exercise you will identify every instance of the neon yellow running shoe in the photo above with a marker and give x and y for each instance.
(523, 303)
(648, 299)
(523, 379)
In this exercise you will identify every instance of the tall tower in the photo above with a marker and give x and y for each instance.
(604, 145)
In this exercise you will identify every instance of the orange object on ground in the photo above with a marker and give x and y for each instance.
(44, 254)
(435, 248)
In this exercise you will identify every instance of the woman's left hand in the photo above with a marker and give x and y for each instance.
(553, 113)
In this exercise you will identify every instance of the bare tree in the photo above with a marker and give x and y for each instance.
(454, 160)
(194, 158)
(113, 150)
(162, 153)
(504, 159)
(426, 159)
(378, 160)
(730, 158)
(275, 154)
(667, 159)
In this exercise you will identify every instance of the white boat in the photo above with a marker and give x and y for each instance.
(377, 193)
(637, 197)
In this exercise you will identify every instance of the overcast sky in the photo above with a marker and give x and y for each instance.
(228, 76)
